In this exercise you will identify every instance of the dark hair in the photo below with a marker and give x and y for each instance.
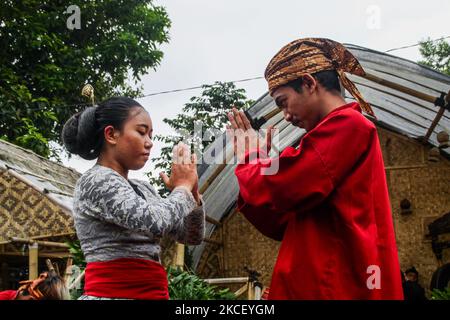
(48, 286)
(54, 287)
(328, 79)
(412, 270)
(82, 134)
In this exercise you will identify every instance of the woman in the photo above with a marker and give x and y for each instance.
(119, 221)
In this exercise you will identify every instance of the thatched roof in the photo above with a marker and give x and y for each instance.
(35, 194)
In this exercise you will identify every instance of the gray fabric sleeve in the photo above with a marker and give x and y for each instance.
(191, 230)
(118, 203)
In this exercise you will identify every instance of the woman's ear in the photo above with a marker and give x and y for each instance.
(110, 135)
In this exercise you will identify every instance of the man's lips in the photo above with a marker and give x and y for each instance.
(296, 123)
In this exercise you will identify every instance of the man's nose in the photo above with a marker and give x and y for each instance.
(287, 116)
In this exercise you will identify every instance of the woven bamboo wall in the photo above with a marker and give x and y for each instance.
(26, 213)
(424, 184)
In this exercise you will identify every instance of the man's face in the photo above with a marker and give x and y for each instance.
(411, 276)
(299, 108)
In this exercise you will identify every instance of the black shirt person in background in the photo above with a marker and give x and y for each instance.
(412, 290)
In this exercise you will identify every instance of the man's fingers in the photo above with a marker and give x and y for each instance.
(269, 137)
(245, 121)
(237, 116)
(269, 133)
(232, 120)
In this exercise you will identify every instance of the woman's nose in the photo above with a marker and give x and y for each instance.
(148, 144)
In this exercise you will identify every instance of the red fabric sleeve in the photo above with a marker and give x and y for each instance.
(307, 175)
(268, 222)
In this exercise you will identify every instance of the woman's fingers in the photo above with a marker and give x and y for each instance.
(180, 154)
(185, 155)
(164, 178)
(175, 154)
(194, 159)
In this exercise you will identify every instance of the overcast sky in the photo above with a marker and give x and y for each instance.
(225, 40)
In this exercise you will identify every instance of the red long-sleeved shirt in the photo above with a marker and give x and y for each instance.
(329, 205)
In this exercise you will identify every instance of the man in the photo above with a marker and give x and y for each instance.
(328, 203)
(412, 290)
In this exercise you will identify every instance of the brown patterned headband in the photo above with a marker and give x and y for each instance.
(311, 55)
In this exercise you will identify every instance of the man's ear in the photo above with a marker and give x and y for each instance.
(309, 82)
(111, 135)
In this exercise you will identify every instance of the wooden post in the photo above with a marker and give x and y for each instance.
(179, 256)
(33, 254)
(434, 124)
(41, 243)
(250, 291)
(258, 291)
(4, 276)
(68, 271)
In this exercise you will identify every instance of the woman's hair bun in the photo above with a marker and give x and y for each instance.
(79, 134)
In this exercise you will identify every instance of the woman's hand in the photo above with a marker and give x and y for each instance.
(184, 169)
(197, 195)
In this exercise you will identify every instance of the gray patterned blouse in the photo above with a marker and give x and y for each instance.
(119, 218)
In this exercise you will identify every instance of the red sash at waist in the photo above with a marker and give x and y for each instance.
(127, 279)
(8, 295)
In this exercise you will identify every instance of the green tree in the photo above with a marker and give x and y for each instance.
(44, 64)
(436, 55)
(210, 110)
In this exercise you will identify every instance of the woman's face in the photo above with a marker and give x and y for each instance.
(135, 140)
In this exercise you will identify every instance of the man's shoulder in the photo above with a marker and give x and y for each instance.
(353, 118)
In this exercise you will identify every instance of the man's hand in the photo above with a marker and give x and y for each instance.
(244, 137)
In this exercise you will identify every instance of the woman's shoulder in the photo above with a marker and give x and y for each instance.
(97, 178)
(142, 184)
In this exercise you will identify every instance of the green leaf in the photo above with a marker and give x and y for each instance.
(44, 65)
